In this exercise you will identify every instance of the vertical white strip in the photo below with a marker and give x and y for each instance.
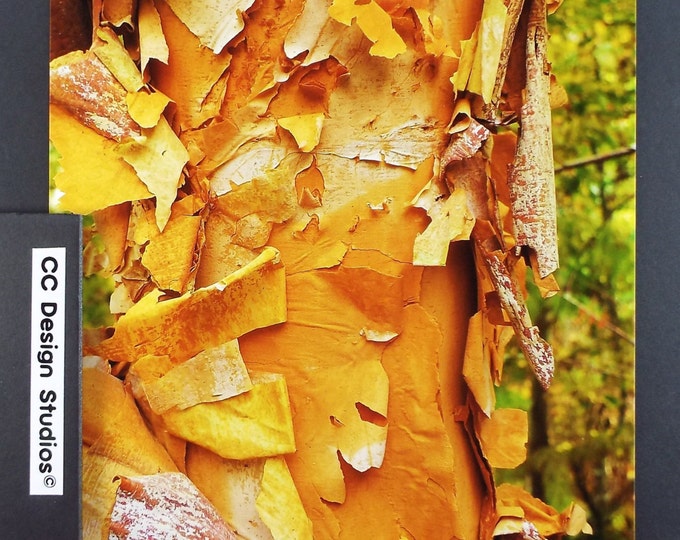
(48, 285)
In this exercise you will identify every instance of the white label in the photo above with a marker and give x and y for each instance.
(47, 371)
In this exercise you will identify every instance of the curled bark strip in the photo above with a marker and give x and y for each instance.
(537, 352)
(530, 532)
(165, 505)
(531, 178)
(514, 8)
(82, 84)
(465, 144)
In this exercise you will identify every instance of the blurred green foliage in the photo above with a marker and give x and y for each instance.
(582, 429)
(96, 288)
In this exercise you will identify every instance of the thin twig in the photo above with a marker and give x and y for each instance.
(603, 322)
(599, 158)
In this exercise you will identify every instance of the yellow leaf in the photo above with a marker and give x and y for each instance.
(558, 94)
(576, 520)
(249, 298)
(158, 157)
(257, 423)
(93, 175)
(214, 22)
(375, 23)
(305, 128)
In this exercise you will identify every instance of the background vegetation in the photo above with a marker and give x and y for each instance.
(582, 442)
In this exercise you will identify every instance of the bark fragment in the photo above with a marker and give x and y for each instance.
(531, 177)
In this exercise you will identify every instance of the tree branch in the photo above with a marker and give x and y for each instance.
(599, 320)
(598, 158)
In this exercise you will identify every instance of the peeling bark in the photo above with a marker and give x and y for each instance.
(531, 176)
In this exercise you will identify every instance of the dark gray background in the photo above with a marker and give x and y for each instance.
(658, 271)
(24, 31)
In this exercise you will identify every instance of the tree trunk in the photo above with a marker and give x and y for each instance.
(301, 203)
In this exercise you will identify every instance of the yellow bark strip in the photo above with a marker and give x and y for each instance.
(532, 175)
(158, 158)
(190, 73)
(112, 422)
(212, 375)
(116, 442)
(515, 507)
(257, 423)
(476, 366)
(374, 22)
(257, 497)
(93, 175)
(503, 437)
(146, 108)
(170, 255)
(278, 503)
(214, 22)
(152, 42)
(249, 298)
(488, 51)
(113, 55)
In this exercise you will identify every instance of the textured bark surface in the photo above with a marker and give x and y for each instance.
(164, 506)
(532, 176)
(316, 183)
